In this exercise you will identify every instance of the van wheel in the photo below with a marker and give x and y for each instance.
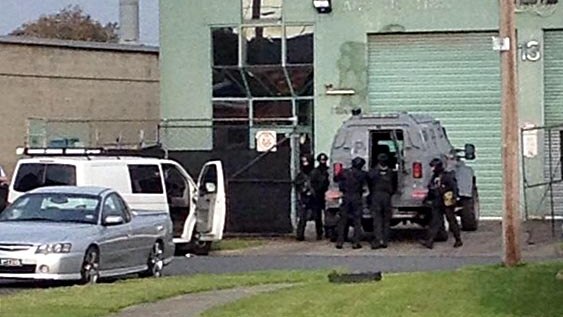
(201, 247)
(470, 212)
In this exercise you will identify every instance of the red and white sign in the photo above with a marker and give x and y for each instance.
(266, 141)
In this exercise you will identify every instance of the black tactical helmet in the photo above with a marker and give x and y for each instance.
(382, 158)
(358, 162)
(437, 165)
(322, 158)
(307, 163)
(306, 160)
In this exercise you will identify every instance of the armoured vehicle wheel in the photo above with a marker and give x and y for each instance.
(442, 235)
(470, 212)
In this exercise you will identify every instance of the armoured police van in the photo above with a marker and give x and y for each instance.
(197, 210)
(411, 141)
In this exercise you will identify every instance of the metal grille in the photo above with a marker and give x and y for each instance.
(14, 247)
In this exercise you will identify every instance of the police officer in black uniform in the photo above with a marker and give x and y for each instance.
(351, 183)
(305, 194)
(442, 194)
(382, 186)
(320, 182)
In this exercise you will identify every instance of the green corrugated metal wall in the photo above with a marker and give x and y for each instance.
(553, 85)
(456, 78)
(553, 72)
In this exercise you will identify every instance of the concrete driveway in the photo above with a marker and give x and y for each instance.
(537, 241)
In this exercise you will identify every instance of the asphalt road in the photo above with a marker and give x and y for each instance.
(250, 263)
(403, 255)
(238, 264)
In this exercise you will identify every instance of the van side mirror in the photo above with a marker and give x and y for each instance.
(469, 152)
(210, 188)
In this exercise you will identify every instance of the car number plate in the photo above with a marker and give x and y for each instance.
(10, 262)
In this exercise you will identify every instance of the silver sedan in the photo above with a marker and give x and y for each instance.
(81, 233)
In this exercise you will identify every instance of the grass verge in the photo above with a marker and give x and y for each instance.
(104, 299)
(528, 290)
(236, 244)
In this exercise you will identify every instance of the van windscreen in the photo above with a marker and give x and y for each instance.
(35, 175)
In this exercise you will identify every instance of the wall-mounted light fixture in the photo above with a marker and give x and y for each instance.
(323, 6)
(331, 91)
(340, 92)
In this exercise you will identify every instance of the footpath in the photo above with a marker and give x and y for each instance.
(193, 305)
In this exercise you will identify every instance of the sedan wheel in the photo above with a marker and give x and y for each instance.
(90, 271)
(155, 262)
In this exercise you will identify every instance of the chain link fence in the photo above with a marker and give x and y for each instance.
(220, 134)
(112, 134)
(543, 178)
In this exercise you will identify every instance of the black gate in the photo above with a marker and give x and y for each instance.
(258, 186)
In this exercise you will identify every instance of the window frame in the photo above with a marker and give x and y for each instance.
(134, 189)
(299, 89)
(120, 203)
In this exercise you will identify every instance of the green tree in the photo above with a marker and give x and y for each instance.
(70, 23)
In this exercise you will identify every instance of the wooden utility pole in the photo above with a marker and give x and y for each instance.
(510, 148)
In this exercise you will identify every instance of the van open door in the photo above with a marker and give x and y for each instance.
(211, 203)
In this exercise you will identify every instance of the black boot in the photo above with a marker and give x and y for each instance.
(339, 245)
(427, 243)
(376, 245)
(356, 246)
(458, 243)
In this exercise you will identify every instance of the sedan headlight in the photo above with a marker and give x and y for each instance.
(54, 248)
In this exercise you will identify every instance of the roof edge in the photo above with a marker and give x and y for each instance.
(96, 46)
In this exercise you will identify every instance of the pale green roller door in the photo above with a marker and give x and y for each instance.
(456, 78)
(553, 85)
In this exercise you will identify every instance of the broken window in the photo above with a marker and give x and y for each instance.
(299, 45)
(225, 46)
(262, 9)
(230, 126)
(262, 45)
(274, 112)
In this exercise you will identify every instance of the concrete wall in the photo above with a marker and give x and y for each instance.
(59, 81)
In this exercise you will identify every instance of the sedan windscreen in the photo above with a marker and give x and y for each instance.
(53, 207)
(34, 175)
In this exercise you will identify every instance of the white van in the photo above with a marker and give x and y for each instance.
(197, 210)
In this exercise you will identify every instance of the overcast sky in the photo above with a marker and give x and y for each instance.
(13, 13)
